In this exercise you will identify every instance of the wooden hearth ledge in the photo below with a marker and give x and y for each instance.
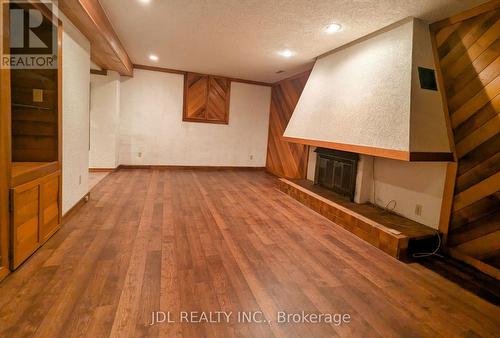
(389, 232)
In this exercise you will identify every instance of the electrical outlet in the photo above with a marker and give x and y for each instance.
(418, 210)
(80, 179)
(139, 154)
(251, 157)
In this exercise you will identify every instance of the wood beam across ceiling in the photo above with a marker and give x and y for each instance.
(90, 18)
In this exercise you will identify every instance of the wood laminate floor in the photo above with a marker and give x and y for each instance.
(183, 240)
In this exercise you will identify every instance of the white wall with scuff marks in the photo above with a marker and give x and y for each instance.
(152, 131)
(75, 114)
(104, 120)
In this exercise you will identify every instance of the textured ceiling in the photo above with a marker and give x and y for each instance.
(241, 38)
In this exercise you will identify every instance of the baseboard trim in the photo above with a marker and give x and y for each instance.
(186, 167)
(71, 212)
(101, 170)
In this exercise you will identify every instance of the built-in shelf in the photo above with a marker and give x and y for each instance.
(23, 172)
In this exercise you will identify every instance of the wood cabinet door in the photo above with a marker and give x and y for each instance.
(206, 98)
(195, 97)
(218, 99)
(25, 222)
(50, 208)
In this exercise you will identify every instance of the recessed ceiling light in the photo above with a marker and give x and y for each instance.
(333, 28)
(153, 57)
(286, 53)
(145, 1)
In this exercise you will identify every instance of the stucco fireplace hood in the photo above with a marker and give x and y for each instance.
(376, 96)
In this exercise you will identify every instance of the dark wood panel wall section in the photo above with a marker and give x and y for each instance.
(206, 98)
(4, 151)
(106, 49)
(468, 48)
(286, 159)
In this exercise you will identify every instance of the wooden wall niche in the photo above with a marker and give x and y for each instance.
(35, 131)
(468, 49)
(206, 98)
(286, 159)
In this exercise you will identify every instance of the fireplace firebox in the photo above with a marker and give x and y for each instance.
(336, 170)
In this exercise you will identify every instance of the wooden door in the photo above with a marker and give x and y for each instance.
(206, 98)
(218, 99)
(25, 221)
(196, 94)
(50, 208)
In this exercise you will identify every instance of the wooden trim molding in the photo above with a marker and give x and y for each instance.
(416, 156)
(447, 200)
(374, 151)
(107, 50)
(305, 73)
(101, 170)
(380, 152)
(184, 72)
(103, 72)
(160, 69)
(184, 167)
(487, 6)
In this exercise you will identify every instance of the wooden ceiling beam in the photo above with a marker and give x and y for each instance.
(107, 50)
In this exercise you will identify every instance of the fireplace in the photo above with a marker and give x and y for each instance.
(336, 170)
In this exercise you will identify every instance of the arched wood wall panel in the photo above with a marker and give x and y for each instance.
(285, 159)
(469, 57)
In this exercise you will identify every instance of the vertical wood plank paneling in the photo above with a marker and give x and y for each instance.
(469, 58)
(285, 159)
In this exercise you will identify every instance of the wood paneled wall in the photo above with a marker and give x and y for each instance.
(468, 48)
(286, 159)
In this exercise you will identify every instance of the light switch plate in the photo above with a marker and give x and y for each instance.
(37, 95)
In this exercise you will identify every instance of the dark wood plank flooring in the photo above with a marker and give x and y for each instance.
(227, 240)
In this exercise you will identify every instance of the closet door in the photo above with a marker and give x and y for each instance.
(218, 99)
(206, 98)
(50, 209)
(195, 97)
(25, 221)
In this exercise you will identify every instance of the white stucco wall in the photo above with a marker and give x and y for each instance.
(368, 94)
(360, 94)
(75, 114)
(152, 130)
(104, 120)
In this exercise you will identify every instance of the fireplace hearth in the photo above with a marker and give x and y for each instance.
(336, 170)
